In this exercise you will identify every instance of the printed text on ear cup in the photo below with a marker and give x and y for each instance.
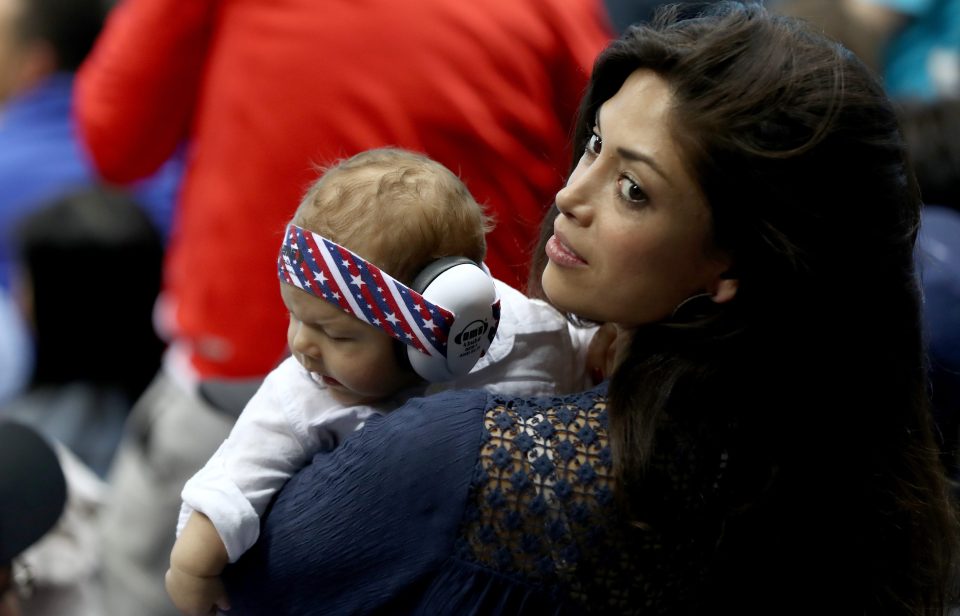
(470, 337)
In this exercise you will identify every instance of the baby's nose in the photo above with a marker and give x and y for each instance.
(305, 343)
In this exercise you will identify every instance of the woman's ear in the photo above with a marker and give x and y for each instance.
(725, 288)
(725, 283)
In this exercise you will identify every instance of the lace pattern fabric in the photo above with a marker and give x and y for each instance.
(542, 507)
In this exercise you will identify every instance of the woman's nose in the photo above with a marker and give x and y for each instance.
(575, 198)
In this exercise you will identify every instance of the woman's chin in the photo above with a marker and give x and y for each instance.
(563, 295)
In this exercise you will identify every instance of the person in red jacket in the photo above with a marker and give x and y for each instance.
(263, 93)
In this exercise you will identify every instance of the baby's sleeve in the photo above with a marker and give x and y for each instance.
(268, 444)
(536, 352)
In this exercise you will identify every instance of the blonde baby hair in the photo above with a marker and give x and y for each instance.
(398, 209)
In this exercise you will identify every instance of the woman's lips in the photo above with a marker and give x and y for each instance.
(559, 253)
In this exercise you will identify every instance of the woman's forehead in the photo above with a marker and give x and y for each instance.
(643, 96)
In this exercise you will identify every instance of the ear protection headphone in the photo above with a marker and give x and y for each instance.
(465, 289)
(447, 319)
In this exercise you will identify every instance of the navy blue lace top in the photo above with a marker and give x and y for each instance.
(463, 503)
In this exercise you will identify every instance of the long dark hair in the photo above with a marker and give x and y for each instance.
(94, 264)
(808, 388)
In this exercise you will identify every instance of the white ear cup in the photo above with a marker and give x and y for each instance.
(467, 291)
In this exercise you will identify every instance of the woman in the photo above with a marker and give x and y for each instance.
(743, 212)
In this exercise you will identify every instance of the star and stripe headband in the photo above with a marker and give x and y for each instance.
(331, 272)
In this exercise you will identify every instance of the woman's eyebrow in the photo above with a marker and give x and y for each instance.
(633, 155)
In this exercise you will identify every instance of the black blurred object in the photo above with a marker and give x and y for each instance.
(94, 264)
(32, 489)
(70, 26)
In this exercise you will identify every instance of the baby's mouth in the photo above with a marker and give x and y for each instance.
(330, 381)
(321, 379)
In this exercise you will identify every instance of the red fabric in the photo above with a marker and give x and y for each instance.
(267, 89)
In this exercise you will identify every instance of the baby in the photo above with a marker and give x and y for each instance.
(389, 213)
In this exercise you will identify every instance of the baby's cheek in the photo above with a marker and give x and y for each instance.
(383, 380)
(362, 372)
(291, 333)
(377, 381)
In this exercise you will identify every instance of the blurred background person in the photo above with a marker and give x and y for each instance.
(87, 275)
(623, 13)
(913, 44)
(42, 42)
(49, 503)
(938, 263)
(32, 497)
(932, 132)
(262, 93)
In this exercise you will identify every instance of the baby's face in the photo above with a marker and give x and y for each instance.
(356, 361)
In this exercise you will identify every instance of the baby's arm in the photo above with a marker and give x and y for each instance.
(287, 421)
(266, 446)
(198, 558)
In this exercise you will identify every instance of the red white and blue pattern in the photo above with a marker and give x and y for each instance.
(329, 271)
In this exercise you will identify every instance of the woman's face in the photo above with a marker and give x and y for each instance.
(633, 238)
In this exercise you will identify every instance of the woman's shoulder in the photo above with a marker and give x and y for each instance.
(543, 453)
(541, 505)
(541, 511)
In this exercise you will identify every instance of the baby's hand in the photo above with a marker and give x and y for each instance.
(196, 562)
(195, 595)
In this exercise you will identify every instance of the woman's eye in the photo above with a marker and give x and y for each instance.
(630, 190)
(594, 144)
